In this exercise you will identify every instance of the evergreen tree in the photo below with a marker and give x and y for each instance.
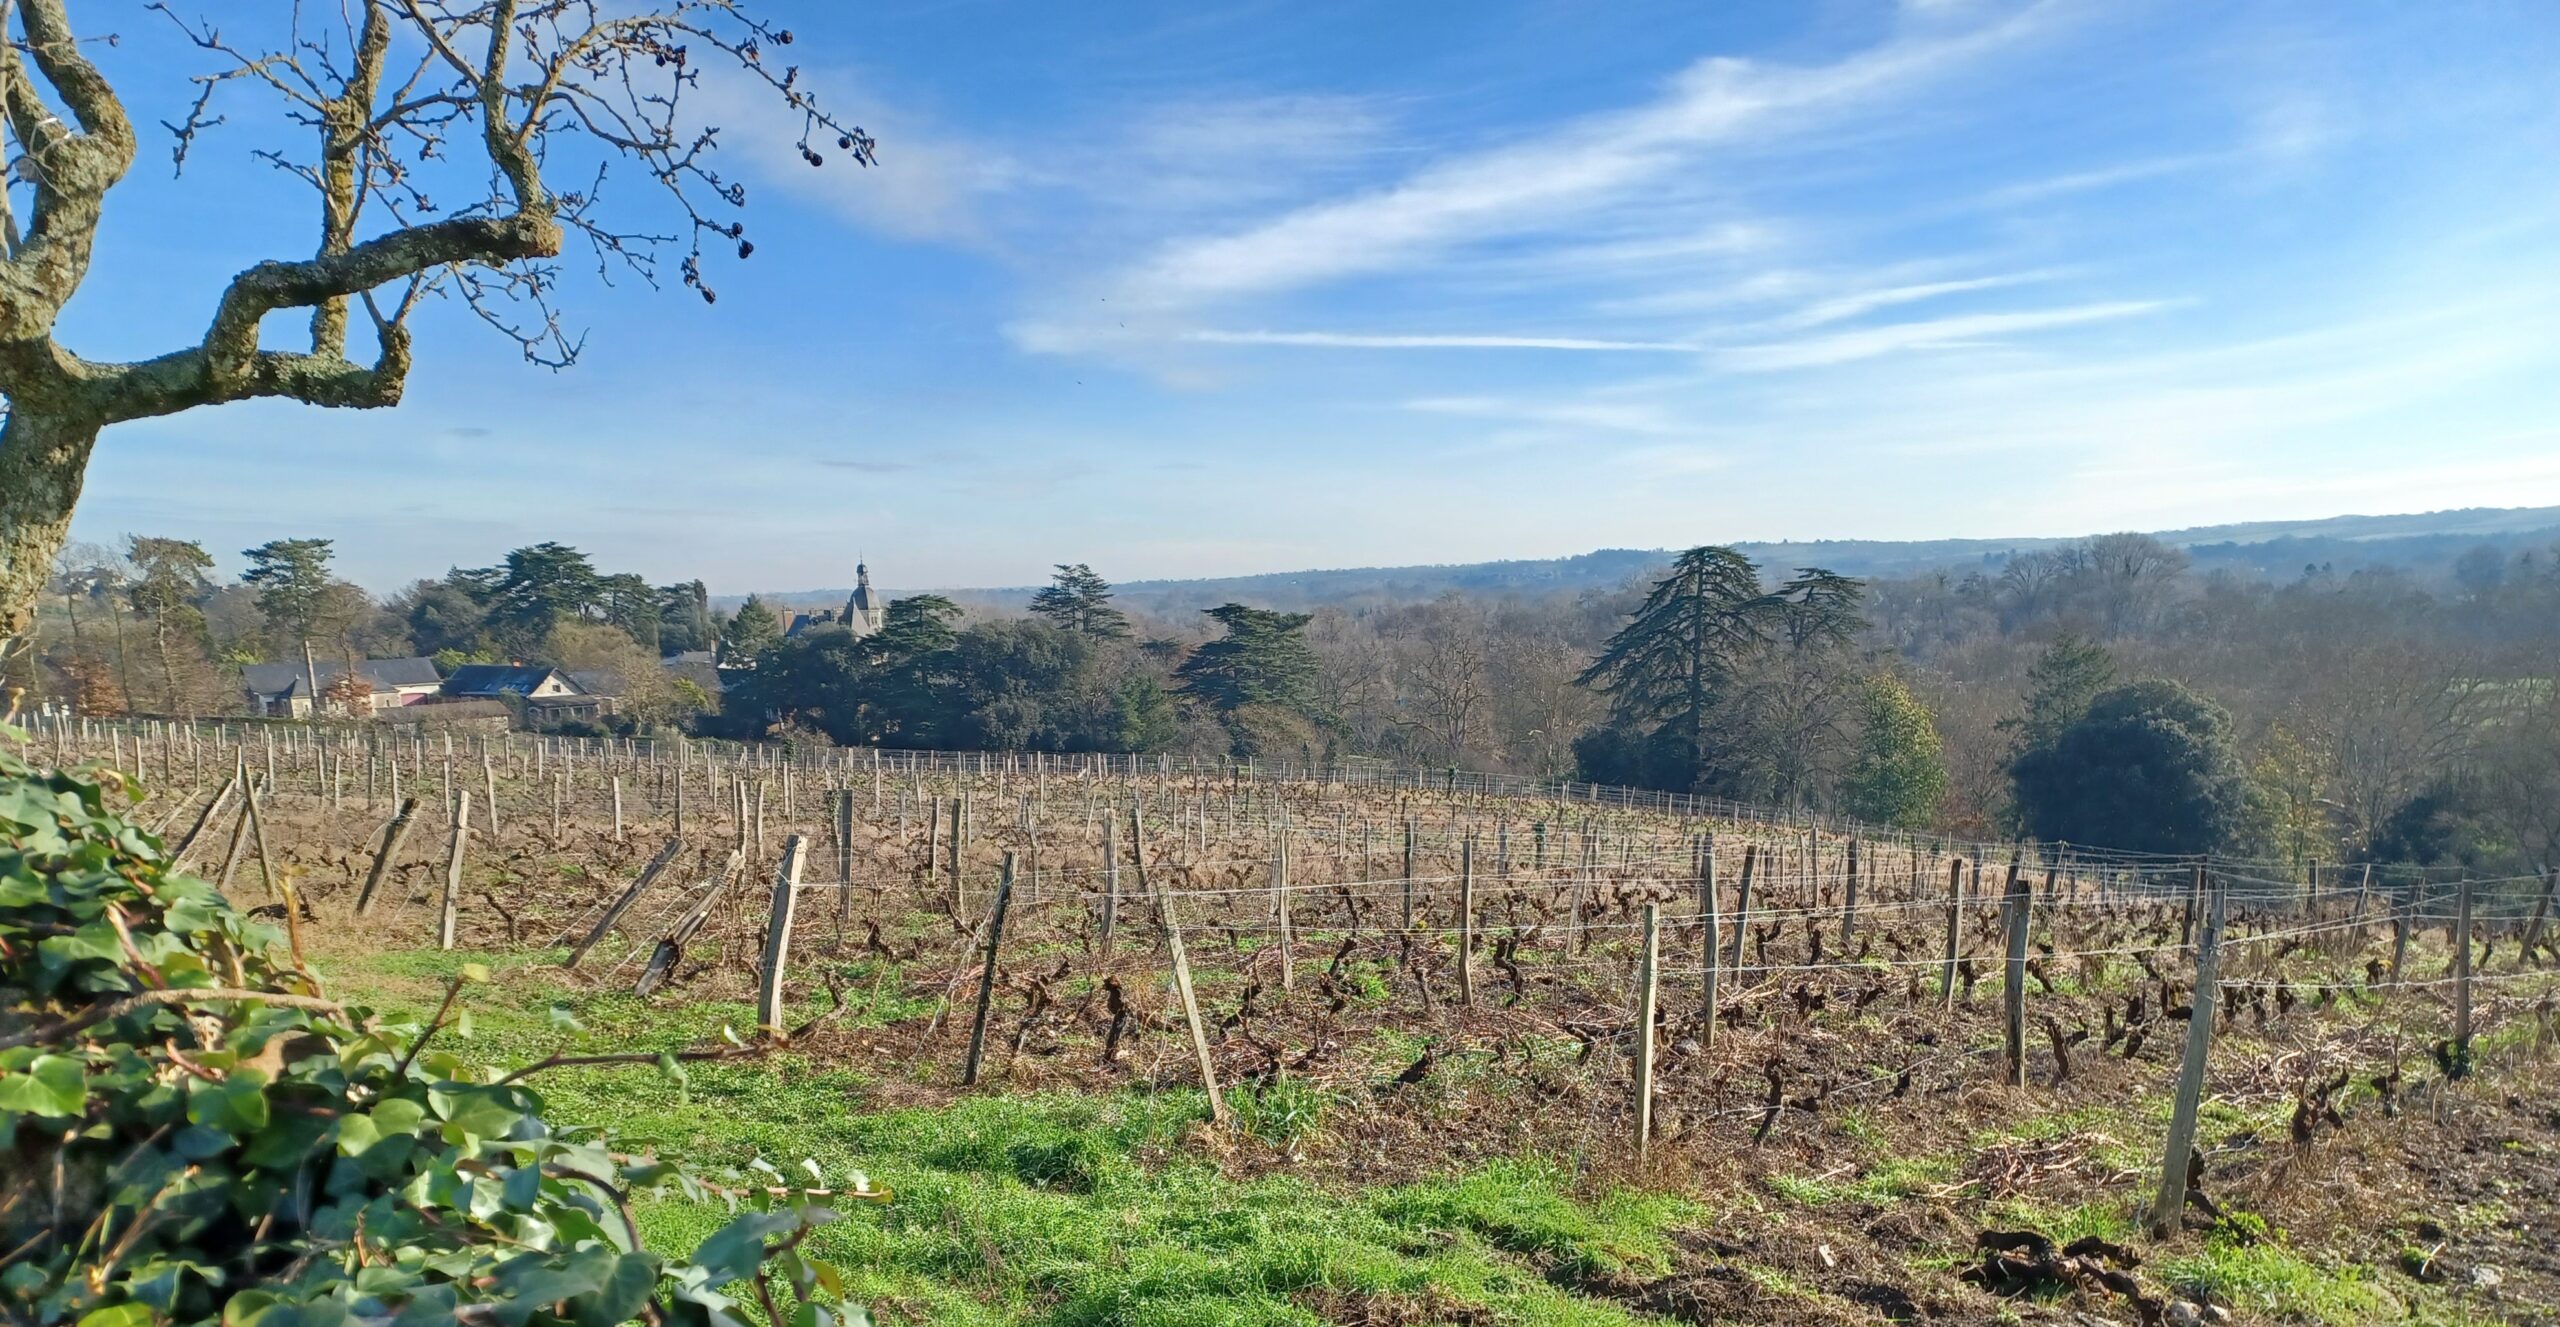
(1263, 659)
(911, 657)
(1675, 662)
(2060, 684)
(1900, 773)
(535, 589)
(1147, 720)
(684, 618)
(2149, 768)
(293, 583)
(1078, 600)
(169, 585)
(749, 633)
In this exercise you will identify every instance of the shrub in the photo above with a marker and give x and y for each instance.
(190, 1131)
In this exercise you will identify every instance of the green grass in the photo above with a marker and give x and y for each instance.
(1067, 1210)
(2263, 1277)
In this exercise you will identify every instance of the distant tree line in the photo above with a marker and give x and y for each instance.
(2099, 692)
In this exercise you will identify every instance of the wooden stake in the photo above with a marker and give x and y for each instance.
(1110, 880)
(1955, 934)
(1181, 970)
(2462, 981)
(2172, 1198)
(1465, 923)
(987, 976)
(2017, 903)
(777, 934)
(1648, 987)
(621, 904)
(383, 860)
(453, 871)
(1711, 912)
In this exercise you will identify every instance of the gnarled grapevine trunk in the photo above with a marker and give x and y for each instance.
(42, 459)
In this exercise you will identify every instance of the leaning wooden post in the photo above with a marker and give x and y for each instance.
(390, 853)
(1648, 989)
(2172, 1198)
(2401, 924)
(1110, 880)
(222, 798)
(1408, 873)
(1742, 906)
(2541, 911)
(844, 858)
(2462, 981)
(1467, 922)
(777, 933)
(453, 870)
(604, 925)
(2017, 902)
(987, 976)
(1181, 965)
(1849, 906)
(1710, 908)
(1955, 934)
(489, 782)
(1284, 913)
(258, 832)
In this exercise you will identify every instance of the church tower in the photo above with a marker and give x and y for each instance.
(864, 611)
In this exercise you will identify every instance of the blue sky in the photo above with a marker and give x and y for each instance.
(1200, 289)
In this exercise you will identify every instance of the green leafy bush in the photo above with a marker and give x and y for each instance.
(190, 1131)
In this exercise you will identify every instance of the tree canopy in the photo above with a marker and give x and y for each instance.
(1078, 600)
(2150, 767)
(430, 132)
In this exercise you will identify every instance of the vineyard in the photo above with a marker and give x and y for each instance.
(1137, 1040)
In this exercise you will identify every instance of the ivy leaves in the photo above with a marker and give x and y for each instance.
(232, 1152)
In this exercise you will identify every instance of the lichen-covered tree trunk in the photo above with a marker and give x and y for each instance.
(42, 459)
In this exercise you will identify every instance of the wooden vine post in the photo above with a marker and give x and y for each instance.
(1648, 990)
(453, 870)
(1710, 910)
(1955, 933)
(622, 903)
(2462, 981)
(987, 976)
(1281, 910)
(1181, 968)
(1467, 922)
(1110, 881)
(2172, 1197)
(383, 861)
(777, 933)
(2017, 903)
(1742, 906)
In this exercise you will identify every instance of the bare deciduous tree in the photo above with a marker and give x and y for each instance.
(430, 132)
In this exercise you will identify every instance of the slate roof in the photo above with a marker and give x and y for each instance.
(496, 680)
(286, 679)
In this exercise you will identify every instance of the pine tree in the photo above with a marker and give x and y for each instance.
(1264, 659)
(170, 583)
(2060, 684)
(1078, 600)
(293, 582)
(748, 633)
(1900, 773)
(1676, 660)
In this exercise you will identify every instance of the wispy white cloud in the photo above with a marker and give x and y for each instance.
(2096, 178)
(1612, 416)
(1426, 341)
(1841, 308)
(1935, 333)
(1529, 186)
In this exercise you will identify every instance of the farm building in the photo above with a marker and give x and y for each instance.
(284, 690)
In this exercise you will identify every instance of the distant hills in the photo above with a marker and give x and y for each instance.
(2425, 544)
